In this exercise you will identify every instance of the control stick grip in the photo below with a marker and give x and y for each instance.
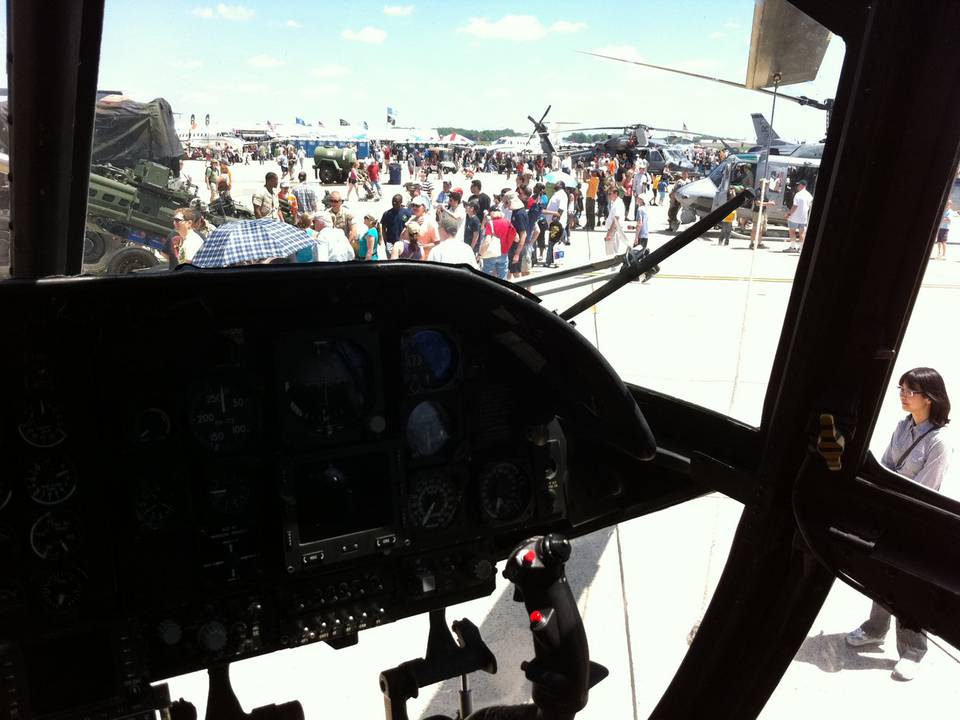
(561, 671)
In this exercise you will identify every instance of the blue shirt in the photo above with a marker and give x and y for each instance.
(927, 463)
(644, 217)
(370, 236)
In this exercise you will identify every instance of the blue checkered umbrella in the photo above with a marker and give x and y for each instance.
(249, 241)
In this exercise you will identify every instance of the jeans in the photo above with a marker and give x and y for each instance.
(910, 643)
(496, 266)
(726, 229)
(591, 213)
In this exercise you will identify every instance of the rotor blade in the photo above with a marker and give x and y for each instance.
(799, 100)
(545, 112)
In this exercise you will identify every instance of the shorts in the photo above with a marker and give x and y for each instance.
(796, 225)
(942, 234)
(515, 267)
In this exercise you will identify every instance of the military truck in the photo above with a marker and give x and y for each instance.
(332, 165)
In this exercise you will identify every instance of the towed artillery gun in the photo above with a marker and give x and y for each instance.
(130, 213)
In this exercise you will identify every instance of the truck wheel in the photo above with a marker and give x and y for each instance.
(326, 176)
(94, 247)
(130, 259)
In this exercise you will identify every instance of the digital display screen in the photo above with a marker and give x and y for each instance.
(342, 496)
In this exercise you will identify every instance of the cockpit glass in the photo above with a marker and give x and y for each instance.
(224, 139)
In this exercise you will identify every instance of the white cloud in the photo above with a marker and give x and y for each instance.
(731, 24)
(398, 10)
(510, 27)
(226, 12)
(565, 26)
(264, 61)
(716, 35)
(371, 35)
(518, 28)
(292, 24)
(329, 71)
(185, 64)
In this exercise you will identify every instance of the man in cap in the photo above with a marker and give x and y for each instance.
(428, 228)
(444, 194)
(799, 216)
(519, 221)
(449, 249)
(288, 203)
(556, 214)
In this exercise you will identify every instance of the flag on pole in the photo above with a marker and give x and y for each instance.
(365, 126)
(343, 122)
(391, 116)
(270, 126)
(301, 121)
(320, 123)
(685, 127)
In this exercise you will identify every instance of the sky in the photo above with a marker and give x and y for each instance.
(445, 64)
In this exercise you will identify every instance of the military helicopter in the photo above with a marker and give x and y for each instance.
(257, 495)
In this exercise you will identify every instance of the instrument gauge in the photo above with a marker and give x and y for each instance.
(62, 590)
(42, 424)
(224, 415)
(6, 492)
(504, 492)
(154, 506)
(433, 501)
(55, 535)
(50, 481)
(429, 359)
(328, 387)
(149, 425)
(428, 429)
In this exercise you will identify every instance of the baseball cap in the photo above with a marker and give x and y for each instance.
(285, 184)
(419, 201)
(801, 182)
(458, 191)
(323, 216)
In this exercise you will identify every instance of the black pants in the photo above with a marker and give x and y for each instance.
(591, 213)
(626, 205)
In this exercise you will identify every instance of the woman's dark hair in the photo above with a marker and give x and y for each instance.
(928, 381)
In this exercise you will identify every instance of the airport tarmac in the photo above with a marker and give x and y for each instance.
(706, 329)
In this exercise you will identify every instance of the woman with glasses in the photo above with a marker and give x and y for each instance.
(917, 450)
(190, 241)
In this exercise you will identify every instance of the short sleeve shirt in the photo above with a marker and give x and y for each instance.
(266, 201)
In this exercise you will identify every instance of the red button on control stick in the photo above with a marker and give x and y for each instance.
(528, 557)
(536, 616)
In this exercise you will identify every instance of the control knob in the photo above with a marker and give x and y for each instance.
(169, 632)
(212, 636)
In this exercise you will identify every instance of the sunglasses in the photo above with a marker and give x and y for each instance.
(179, 219)
(336, 202)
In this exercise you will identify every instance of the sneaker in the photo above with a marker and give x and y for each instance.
(859, 638)
(905, 669)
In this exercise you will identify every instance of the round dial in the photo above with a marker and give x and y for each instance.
(224, 415)
(429, 359)
(432, 501)
(42, 424)
(62, 590)
(6, 492)
(428, 429)
(328, 389)
(50, 481)
(150, 425)
(230, 490)
(55, 535)
(504, 491)
(154, 505)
